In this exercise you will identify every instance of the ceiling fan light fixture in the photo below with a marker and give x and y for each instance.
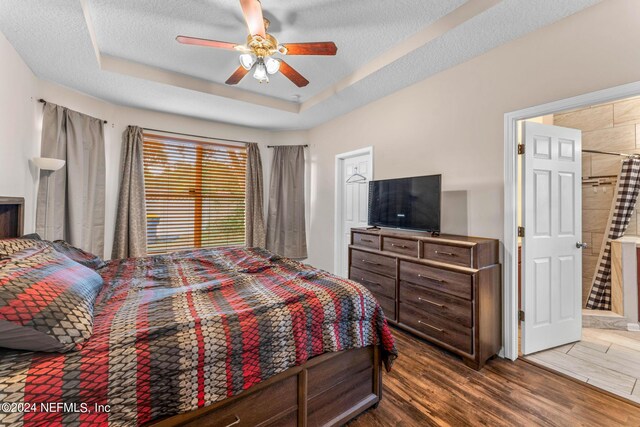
(261, 73)
(247, 61)
(272, 65)
(256, 53)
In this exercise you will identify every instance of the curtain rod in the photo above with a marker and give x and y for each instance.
(44, 102)
(610, 153)
(198, 136)
(272, 146)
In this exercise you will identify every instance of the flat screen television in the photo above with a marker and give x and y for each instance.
(409, 203)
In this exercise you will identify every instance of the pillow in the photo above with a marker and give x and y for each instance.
(46, 301)
(78, 255)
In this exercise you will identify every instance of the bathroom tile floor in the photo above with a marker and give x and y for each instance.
(606, 358)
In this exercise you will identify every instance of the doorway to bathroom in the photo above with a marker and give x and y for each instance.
(578, 180)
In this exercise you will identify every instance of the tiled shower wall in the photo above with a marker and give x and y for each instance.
(608, 127)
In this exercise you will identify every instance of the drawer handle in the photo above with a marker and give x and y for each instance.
(430, 326)
(431, 302)
(366, 261)
(362, 279)
(432, 278)
(399, 246)
(236, 422)
(445, 253)
(366, 240)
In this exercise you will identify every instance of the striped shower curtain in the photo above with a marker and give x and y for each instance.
(625, 202)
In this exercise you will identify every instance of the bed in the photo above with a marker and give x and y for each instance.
(228, 337)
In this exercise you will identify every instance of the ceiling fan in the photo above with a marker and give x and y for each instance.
(261, 46)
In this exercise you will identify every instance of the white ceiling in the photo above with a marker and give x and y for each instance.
(55, 40)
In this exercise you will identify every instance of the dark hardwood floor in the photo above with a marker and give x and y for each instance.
(431, 387)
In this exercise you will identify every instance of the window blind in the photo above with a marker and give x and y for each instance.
(195, 193)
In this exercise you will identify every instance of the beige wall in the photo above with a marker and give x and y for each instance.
(18, 127)
(452, 123)
(607, 127)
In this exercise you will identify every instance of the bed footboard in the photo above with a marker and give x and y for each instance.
(327, 390)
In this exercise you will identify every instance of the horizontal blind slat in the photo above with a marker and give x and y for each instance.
(195, 194)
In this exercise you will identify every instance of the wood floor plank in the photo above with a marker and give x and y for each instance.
(634, 335)
(625, 353)
(623, 338)
(589, 369)
(607, 387)
(609, 360)
(592, 336)
(599, 345)
(557, 368)
(602, 348)
(565, 348)
(430, 387)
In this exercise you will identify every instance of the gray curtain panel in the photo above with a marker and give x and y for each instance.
(77, 196)
(623, 206)
(130, 239)
(286, 233)
(254, 207)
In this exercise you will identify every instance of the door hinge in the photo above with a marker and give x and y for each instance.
(520, 231)
(520, 148)
(520, 315)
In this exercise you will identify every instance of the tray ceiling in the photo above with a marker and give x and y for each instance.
(125, 51)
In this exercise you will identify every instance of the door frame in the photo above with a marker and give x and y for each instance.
(510, 263)
(337, 227)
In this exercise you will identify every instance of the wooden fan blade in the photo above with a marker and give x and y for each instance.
(316, 48)
(205, 42)
(252, 11)
(293, 75)
(237, 76)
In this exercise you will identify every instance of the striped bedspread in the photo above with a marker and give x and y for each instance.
(176, 332)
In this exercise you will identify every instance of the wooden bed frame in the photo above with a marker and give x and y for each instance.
(327, 390)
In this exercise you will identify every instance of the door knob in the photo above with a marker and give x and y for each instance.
(581, 245)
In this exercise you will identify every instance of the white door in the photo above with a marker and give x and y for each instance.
(355, 202)
(551, 251)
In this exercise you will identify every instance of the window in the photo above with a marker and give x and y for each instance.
(195, 193)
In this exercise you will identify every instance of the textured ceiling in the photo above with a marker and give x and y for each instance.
(145, 31)
(53, 39)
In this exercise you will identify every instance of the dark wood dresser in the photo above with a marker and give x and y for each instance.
(445, 289)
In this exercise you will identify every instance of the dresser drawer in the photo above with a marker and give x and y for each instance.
(450, 282)
(388, 305)
(366, 240)
(374, 282)
(437, 327)
(373, 262)
(400, 246)
(447, 253)
(437, 303)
